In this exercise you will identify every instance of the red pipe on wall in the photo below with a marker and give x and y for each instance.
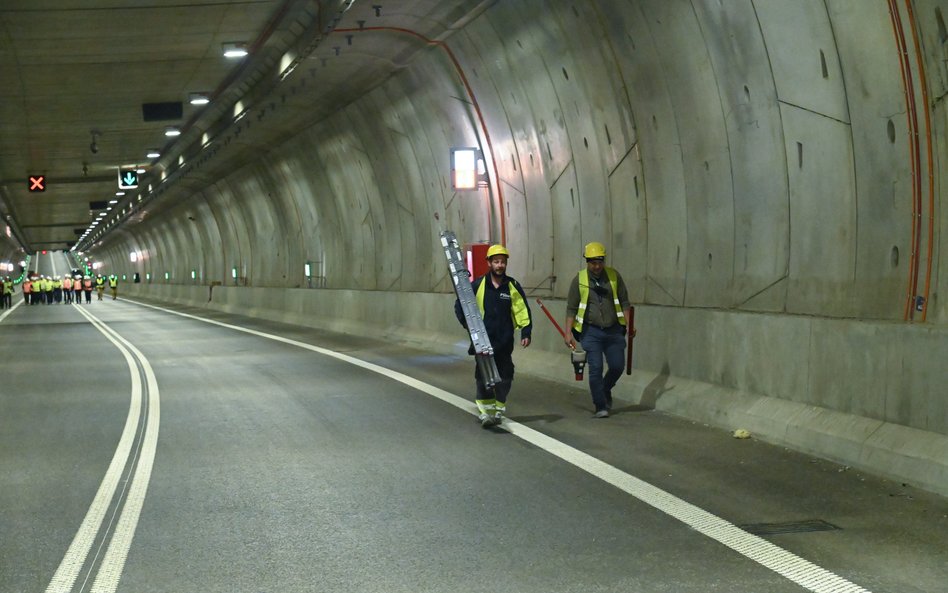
(477, 109)
(923, 83)
(915, 157)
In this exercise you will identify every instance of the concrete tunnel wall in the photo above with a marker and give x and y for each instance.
(746, 163)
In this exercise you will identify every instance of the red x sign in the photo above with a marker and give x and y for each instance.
(37, 183)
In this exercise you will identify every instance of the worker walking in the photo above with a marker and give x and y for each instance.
(6, 302)
(503, 306)
(87, 288)
(113, 286)
(77, 289)
(99, 286)
(597, 310)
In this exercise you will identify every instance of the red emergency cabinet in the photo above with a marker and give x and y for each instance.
(477, 259)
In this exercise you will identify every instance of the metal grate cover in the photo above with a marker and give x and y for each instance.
(788, 527)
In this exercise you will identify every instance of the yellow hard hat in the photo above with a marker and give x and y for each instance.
(497, 250)
(594, 249)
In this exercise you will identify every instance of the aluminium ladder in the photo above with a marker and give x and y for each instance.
(483, 351)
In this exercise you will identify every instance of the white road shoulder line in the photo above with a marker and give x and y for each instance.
(783, 562)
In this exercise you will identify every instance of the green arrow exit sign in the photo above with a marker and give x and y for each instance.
(127, 179)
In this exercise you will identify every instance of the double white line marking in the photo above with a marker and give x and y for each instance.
(136, 451)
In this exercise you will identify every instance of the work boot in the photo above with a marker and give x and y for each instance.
(485, 420)
(603, 413)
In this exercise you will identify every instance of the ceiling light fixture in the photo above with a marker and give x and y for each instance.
(198, 99)
(153, 153)
(172, 131)
(235, 49)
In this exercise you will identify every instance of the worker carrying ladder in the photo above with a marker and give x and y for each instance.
(483, 351)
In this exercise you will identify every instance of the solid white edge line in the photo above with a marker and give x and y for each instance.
(110, 569)
(753, 547)
(10, 310)
(68, 570)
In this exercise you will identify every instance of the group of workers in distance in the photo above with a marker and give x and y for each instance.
(68, 289)
(597, 310)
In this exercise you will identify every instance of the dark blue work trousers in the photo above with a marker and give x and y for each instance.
(601, 343)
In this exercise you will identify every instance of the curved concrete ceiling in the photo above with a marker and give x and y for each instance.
(75, 78)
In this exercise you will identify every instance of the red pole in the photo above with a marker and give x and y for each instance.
(631, 335)
(545, 310)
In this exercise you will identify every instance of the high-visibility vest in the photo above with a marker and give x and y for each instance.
(77, 286)
(27, 287)
(67, 283)
(87, 284)
(100, 281)
(584, 297)
(518, 309)
(113, 281)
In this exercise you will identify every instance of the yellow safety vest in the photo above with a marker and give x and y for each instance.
(518, 308)
(584, 297)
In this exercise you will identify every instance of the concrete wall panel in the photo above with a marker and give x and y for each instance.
(515, 77)
(757, 158)
(629, 226)
(822, 213)
(869, 55)
(640, 60)
(801, 47)
(568, 251)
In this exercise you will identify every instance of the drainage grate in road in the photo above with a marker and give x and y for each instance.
(788, 527)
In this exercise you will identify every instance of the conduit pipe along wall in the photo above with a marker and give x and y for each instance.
(929, 151)
(915, 301)
(494, 181)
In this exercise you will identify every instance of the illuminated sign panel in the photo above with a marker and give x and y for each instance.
(37, 183)
(128, 179)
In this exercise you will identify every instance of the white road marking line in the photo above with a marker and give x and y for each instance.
(753, 547)
(10, 310)
(110, 569)
(65, 576)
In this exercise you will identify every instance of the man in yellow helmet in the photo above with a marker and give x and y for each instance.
(597, 308)
(503, 306)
